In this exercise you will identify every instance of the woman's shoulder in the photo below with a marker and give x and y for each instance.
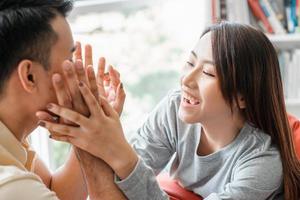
(258, 147)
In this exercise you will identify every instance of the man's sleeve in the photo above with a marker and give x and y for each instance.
(26, 187)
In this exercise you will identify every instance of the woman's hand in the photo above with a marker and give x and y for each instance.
(100, 134)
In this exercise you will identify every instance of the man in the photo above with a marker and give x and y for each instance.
(35, 39)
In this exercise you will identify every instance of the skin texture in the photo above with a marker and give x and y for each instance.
(200, 84)
(102, 132)
(36, 87)
(98, 175)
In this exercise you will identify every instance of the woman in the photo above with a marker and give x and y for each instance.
(227, 126)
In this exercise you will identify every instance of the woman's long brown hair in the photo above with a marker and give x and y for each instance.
(247, 64)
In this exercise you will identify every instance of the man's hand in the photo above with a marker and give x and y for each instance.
(98, 175)
(107, 84)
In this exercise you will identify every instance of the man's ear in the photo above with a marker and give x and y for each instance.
(26, 75)
(241, 101)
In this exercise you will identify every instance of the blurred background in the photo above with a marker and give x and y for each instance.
(147, 41)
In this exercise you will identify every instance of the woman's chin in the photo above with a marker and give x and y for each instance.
(187, 118)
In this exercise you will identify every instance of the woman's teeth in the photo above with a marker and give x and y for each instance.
(191, 101)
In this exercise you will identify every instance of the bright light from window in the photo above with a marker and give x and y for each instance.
(148, 46)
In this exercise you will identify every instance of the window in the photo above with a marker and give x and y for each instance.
(147, 41)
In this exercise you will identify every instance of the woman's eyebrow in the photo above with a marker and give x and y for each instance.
(208, 62)
(194, 54)
(204, 60)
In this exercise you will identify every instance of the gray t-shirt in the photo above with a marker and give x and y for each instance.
(248, 168)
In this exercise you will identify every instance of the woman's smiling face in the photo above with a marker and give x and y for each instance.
(202, 99)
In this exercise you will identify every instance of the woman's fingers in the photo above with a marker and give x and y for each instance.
(68, 114)
(64, 130)
(88, 60)
(107, 108)
(92, 80)
(42, 115)
(114, 78)
(90, 100)
(60, 138)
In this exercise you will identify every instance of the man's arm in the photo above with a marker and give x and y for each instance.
(67, 181)
(99, 178)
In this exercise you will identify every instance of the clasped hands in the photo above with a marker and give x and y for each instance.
(89, 112)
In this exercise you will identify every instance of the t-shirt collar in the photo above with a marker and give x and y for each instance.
(12, 145)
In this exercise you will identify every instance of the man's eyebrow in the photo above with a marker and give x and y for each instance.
(73, 49)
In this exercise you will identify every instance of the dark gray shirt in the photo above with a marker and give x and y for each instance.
(248, 168)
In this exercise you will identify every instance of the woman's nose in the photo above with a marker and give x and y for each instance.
(189, 79)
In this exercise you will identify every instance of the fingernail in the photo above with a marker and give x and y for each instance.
(79, 64)
(67, 66)
(41, 123)
(49, 106)
(56, 78)
(80, 84)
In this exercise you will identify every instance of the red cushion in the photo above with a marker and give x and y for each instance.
(295, 126)
(174, 190)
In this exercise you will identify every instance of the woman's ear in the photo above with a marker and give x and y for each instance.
(241, 101)
(26, 75)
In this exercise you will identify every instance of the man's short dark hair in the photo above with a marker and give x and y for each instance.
(26, 32)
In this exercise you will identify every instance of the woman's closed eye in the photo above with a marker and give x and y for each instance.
(208, 74)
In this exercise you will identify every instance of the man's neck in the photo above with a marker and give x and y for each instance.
(14, 120)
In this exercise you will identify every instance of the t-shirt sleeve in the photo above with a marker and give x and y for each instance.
(26, 188)
(155, 141)
(141, 184)
(258, 177)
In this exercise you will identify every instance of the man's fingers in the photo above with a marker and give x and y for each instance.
(120, 99)
(71, 78)
(72, 81)
(78, 51)
(62, 95)
(80, 71)
(88, 60)
(92, 80)
(101, 68)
